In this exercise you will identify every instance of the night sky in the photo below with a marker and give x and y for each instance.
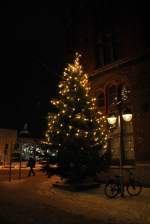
(32, 53)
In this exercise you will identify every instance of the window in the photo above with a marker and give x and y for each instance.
(99, 54)
(112, 94)
(108, 51)
(6, 146)
(120, 92)
(115, 144)
(100, 100)
(128, 141)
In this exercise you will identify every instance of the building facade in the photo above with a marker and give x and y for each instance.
(114, 42)
(8, 139)
(16, 146)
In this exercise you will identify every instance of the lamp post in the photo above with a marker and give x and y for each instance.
(20, 161)
(23, 133)
(122, 116)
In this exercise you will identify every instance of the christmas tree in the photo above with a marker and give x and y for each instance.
(77, 129)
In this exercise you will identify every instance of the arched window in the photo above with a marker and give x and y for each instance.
(100, 100)
(112, 94)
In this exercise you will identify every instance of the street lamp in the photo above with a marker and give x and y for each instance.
(112, 119)
(127, 115)
(123, 115)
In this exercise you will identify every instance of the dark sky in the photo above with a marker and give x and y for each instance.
(32, 60)
(32, 52)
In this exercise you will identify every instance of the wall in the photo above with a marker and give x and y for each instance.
(7, 136)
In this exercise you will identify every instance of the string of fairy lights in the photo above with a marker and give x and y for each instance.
(77, 115)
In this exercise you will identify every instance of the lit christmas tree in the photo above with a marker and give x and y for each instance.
(78, 129)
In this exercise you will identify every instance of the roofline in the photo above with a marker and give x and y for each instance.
(119, 63)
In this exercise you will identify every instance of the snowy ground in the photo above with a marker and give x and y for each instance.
(34, 200)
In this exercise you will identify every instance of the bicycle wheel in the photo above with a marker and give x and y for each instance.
(111, 189)
(134, 188)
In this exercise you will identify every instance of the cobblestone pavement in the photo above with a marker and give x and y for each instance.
(35, 200)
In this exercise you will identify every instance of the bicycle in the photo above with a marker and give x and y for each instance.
(113, 187)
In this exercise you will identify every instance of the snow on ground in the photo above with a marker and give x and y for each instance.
(35, 200)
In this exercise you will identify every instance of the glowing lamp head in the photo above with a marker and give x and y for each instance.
(127, 117)
(112, 119)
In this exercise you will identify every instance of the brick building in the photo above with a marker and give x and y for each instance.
(113, 39)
